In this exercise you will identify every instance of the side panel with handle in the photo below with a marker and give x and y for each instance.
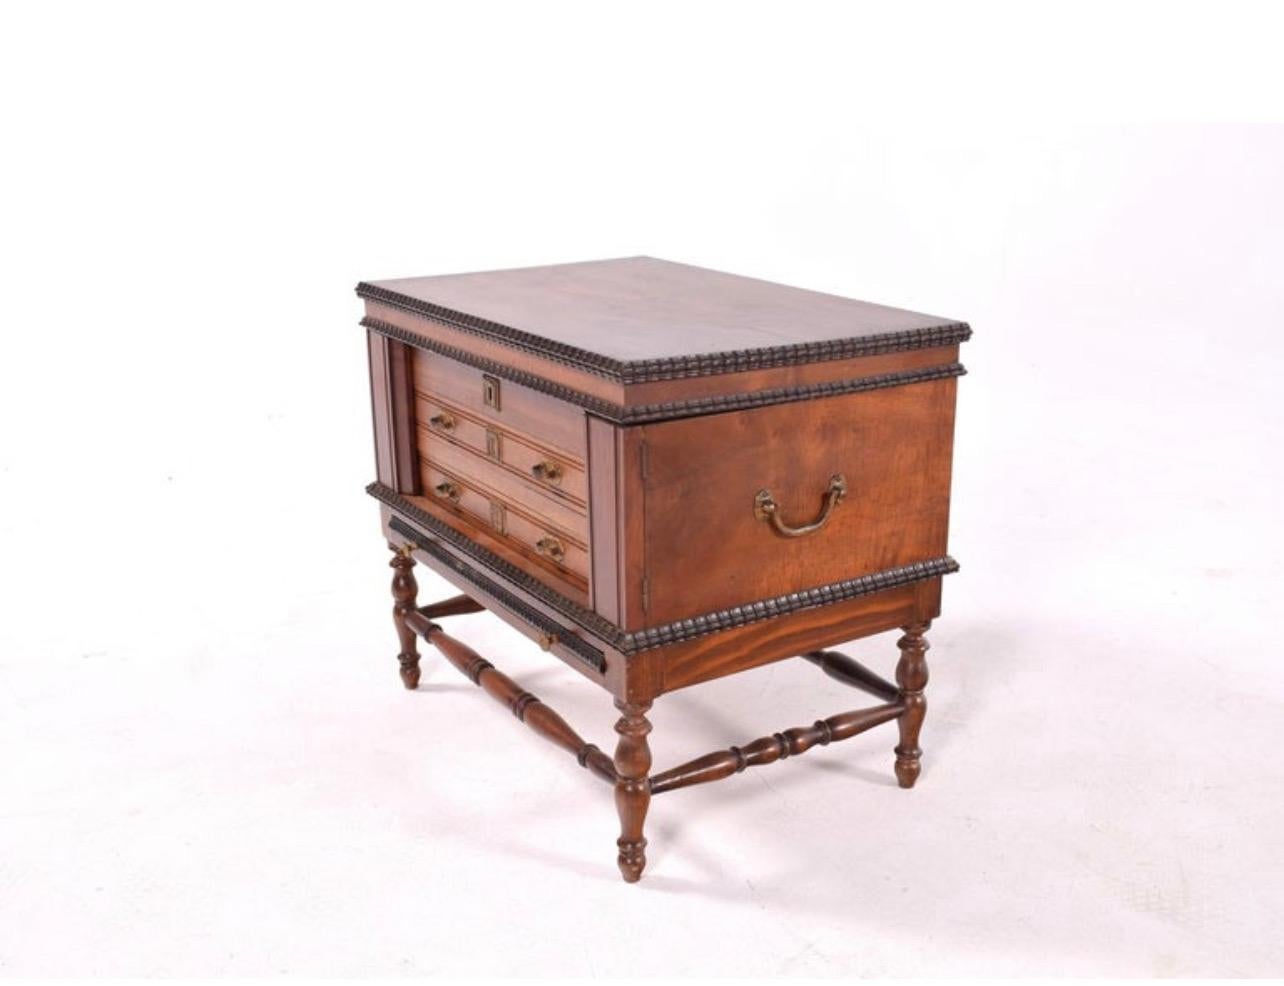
(794, 496)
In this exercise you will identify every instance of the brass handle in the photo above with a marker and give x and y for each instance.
(448, 490)
(547, 640)
(550, 547)
(443, 421)
(766, 508)
(547, 471)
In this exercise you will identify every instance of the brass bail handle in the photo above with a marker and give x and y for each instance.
(766, 508)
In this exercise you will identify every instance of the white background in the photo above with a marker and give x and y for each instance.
(207, 763)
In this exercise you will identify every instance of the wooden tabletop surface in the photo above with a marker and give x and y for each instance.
(638, 309)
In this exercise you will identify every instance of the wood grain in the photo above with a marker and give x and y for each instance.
(528, 709)
(756, 644)
(911, 676)
(769, 749)
(642, 309)
(702, 475)
(404, 590)
(604, 515)
(632, 786)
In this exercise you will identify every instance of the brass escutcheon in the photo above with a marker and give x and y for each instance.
(490, 391)
(766, 508)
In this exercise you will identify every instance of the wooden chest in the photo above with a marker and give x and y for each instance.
(662, 473)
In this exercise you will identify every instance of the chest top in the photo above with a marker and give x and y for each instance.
(641, 318)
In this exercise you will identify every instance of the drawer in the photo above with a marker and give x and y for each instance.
(455, 493)
(518, 409)
(543, 542)
(704, 477)
(499, 482)
(438, 418)
(546, 468)
(546, 543)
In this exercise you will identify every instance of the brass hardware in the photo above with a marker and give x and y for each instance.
(548, 471)
(766, 508)
(552, 548)
(448, 490)
(493, 445)
(490, 391)
(407, 548)
(498, 517)
(443, 421)
(547, 640)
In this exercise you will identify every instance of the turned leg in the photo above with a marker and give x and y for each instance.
(911, 678)
(404, 590)
(633, 786)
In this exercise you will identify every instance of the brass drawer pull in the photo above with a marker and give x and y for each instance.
(552, 548)
(766, 508)
(443, 421)
(547, 471)
(448, 491)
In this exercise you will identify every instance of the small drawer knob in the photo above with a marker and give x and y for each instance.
(547, 640)
(443, 421)
(552, 548)
(448, 491)
(548, 471)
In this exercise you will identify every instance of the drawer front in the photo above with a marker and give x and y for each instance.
(552, 546)
(439, 418)
(547, 469)
(453, 492)
(498, 482)
(540, 541)
(704, 479)
(557, 424)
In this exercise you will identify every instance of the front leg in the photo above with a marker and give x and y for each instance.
(911, 677)
(404, 591)
(632, 786)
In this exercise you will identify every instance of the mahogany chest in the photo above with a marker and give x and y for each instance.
(665, 474)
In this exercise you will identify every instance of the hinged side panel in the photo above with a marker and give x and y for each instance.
(616, 506)
(392, 409)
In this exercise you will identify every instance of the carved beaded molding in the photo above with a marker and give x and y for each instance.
(674, 367)
(645, 413)
(668, 633)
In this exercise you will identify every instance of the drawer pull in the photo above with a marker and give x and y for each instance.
(443, 421)
(547, 472)
(766, 508)
(552, 548)
(448, 491)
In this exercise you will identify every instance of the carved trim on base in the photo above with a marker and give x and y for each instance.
(645, 413)
(668, 633)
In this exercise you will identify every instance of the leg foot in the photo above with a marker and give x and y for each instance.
(404, 591)
(911, 679)
(633, 787)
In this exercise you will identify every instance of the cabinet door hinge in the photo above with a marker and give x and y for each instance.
(646, 593)
(642, 454)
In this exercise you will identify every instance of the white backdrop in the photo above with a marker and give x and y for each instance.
(209, 765)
